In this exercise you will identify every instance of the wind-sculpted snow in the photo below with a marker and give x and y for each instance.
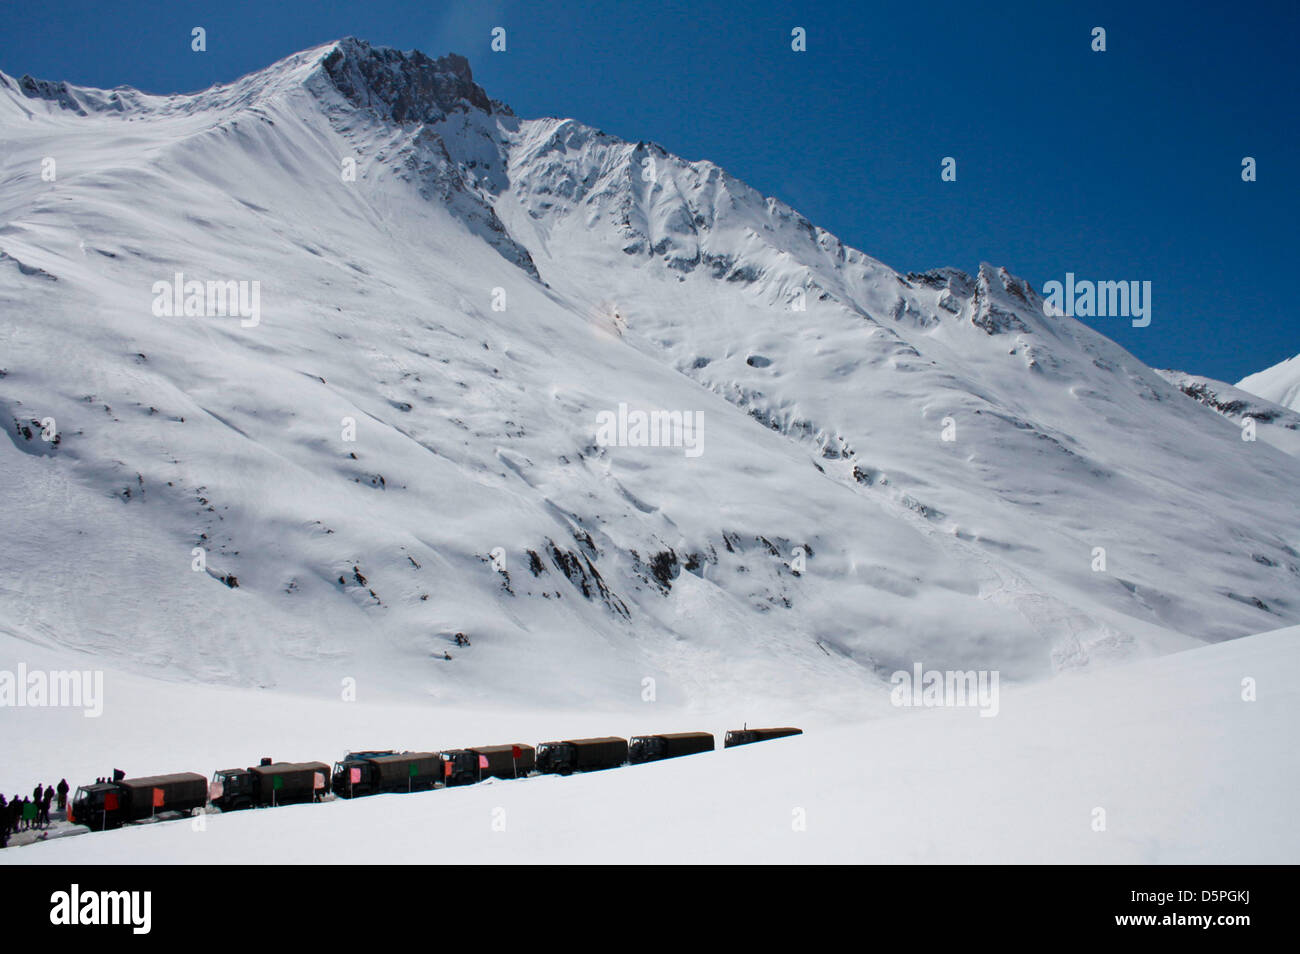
(404, 444)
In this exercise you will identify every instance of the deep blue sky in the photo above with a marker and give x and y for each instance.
(1117, 165)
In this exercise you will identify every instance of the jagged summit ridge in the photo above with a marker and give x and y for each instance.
(407, 87)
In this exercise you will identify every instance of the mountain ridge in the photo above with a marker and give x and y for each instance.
(627, 275)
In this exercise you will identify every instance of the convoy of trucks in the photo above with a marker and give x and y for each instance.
(111, 804)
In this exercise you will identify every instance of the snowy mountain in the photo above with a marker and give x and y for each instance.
(402, 435)
(1279, 384)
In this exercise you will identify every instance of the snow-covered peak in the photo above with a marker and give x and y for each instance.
(895, 467)
(1279, 384)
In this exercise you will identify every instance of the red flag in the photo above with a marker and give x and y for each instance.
(446, 768)
(515, 752)
(110, 801)
(157, 798)
(355, 775)
(482, 761)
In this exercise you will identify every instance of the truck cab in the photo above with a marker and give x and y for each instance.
(356, 774)
(237, 789)
(460, 767)
(647, 748)
(556, 758)
(96, 806)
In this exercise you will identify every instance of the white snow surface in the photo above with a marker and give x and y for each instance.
(1279, 384)
(1273, 423)
(1182, 768)
(630, 276)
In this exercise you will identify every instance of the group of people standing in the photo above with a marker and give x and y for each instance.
(31, 811)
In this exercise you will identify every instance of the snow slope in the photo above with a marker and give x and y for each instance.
(827, 535)
(1274, 423)
(1279, 384)
(1184, 769)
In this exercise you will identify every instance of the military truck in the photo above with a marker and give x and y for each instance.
(747, 735)
(467, 766)
(581, 755)
(270, 783)
(652, 748)
(370, 773)
(113, 804)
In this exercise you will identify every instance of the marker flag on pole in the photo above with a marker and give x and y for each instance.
(110, 801)
(318, 780)
(157, 798)
(413, 770)
(354, 775)
(446, 768)
(216, 790)
(277, 782)
(482, 761)
(515, 752)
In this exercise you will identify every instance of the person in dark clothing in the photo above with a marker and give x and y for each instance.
(62, 791)
(46, 801)
(15, 813)
(29, 813)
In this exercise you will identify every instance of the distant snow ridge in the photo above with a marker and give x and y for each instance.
(900, 468)
(1279, 384)
(1271, 422)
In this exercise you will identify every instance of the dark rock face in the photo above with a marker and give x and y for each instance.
(406, 87)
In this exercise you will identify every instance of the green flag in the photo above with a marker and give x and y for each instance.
(413, 771)
(277, 782)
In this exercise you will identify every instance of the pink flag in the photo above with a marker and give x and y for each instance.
(482, 761)
(354, 776)
(318, 780)
(215, 790)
